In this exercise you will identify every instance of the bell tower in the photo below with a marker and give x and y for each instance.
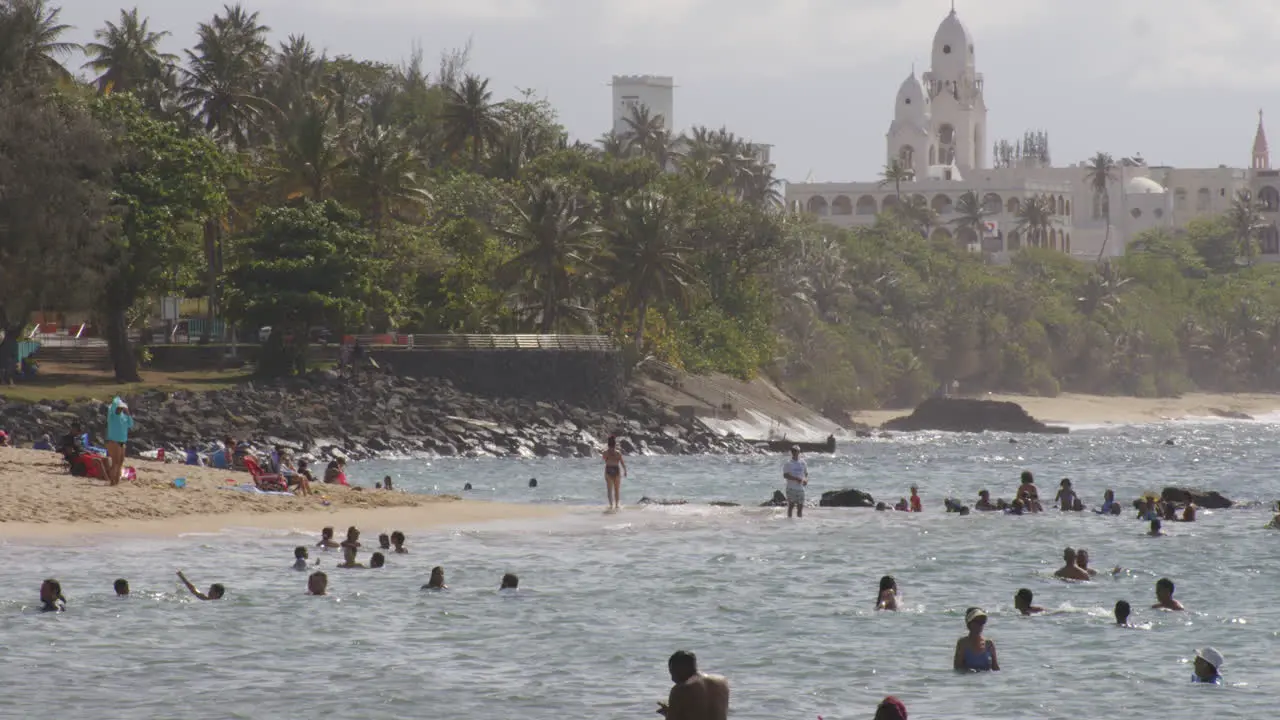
(954, 87)
(1261, 154)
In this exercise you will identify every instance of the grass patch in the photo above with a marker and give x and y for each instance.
(68, 382)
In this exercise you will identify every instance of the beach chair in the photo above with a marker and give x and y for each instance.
(266, 482)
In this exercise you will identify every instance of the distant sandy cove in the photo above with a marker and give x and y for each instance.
(42, 500)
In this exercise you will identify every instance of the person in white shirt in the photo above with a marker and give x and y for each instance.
(796, 474)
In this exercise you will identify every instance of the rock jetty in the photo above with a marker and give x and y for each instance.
(1208, 499)
(380, 415)
(969, 415)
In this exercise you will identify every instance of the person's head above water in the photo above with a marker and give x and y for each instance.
(1027, 477)
(384, 541)
(1109, 495)
(1164, 588)
(437, 577)
(353, 534)
(377, 560)
(984, 494)
(510, 582)
(975, 619)
(216, 591)
(682, 666)
(121, 586)
(891, 708)
(327, 533)
(397, 538)
(1122, 612)
(300, 553)
(1022, 598)
(1209, 662)
(1069, 556)
(51, 592)
(888, 583)
(318, 583)
(612, 442)
(1082, 557)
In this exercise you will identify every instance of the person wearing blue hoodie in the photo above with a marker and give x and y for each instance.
(119, 423)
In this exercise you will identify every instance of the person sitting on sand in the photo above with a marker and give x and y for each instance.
(377, 560)
(121, 587)
(334, 472)
(299, 558)
(1164, 596)
(349, 557)
(1022, 602)
(317, 583)
(916, 505)
(1070, 570)
(1066, 497)
(1156, 526)
(51, 599)
(1189, 512)
(510, 582)
(695, 696)
(301, 479)
(397, 541)
(436, 581)
(1122, 613)
(974, 652)
(326, 539)
(44, 443)
(887, 598)
(891, 708)
(216, 590)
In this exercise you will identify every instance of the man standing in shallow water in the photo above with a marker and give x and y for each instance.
(796, 474)
(696, 696)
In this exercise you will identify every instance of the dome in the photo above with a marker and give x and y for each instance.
(912, 101)
(1142, 186)
(952, 44)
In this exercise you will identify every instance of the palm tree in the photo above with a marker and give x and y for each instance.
(382, 171)
(1246, 221)
(554, 238)
(307, 150)
(223, 83)
(469, 115)
(1036, 218)
(127, 55)
(643, 130)
(1099, 173)
(29, 39)
(648, 243)
(895, 173)
(917, 214)
(971, 215)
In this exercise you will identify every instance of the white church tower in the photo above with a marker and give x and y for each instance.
(958, 110)
(909, 134)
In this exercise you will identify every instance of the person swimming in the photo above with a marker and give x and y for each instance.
(436, 582)
(1208, 667)
(1109, 504)
(384, 541)
(51, 599)
(317, 583)
(326, 539)
(1156, 526)
(349, 557)
(1070, 570)
(891, 708)
(974, 652)
(916, 505)
(1122, 613)
(1066, 497)
(353, 537)
(121, 586)
(694, 695)
(984, 501)
(397, 540)
(1164, 596)
(615, 468)
(1082, 560)
(510, 582)
(887, 597)
(377, 560)
(1022, 602)
(1189, 512)
(299, 558)
(216, 590)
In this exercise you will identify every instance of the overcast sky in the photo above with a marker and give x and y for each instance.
(1180, 81)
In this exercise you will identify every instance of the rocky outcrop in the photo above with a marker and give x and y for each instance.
(968, 415)
(1230, 414)
(660, 501)
(1210, 499)
(322, 414)
(778, 500)
(846, 498)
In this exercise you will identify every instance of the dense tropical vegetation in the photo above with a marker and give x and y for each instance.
(295, 189)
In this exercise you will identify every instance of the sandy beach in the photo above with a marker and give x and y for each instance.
(41, 499)
(1072, 409)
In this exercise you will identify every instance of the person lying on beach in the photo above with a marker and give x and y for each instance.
(695, 696)
(121, 587)
(51, 599)
(510, 582)
(349, 557)
(1022, 602)
(436, 582)
(1164, 596)
(377, 560)
(216, 590)
(887, 598)
(397, 539)
(326, 539)
(317, 583)
(299, 558)
(1070, 570)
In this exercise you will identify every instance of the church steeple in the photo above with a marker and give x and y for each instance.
(1261, 154)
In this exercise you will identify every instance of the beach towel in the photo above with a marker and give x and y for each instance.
(255, 490)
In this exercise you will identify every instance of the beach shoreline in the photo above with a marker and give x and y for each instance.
(44, 501)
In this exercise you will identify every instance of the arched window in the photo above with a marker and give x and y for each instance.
(946, 135)
(818, 206)
(966, 238)
(1012, 240)
(1013, 206)
(1269, 198)
(1269, 240)
(941, 204)
(933, 155)
(866, 205)
(1180, 199)
(907, 156)
(1136, 213)
(889, 203)
(842, 205)
(1204, 197)
(1068, 207)
(1062, 205)
(940, 234)
(992, 204)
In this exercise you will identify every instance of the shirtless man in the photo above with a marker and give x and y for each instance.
(1164, 596)
(1070, 570)
(695, 696)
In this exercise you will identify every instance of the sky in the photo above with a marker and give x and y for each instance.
(1179, 81)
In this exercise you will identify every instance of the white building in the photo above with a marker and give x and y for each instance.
(939, 132)
(656, 93)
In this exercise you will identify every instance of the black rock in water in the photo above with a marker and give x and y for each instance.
(847, 498)
(968, 415)
(1209, 499)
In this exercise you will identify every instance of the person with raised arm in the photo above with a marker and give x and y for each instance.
(216, 590)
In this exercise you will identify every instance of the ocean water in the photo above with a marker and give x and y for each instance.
(783, 608)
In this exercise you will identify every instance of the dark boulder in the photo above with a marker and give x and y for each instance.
(846, 498)
(967, 415)
(660, 501)
(722, 503)
(1209, 499)
(778, 500)
(1230, 414)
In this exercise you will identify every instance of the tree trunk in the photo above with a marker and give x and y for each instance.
(211, 278)
(9, 351)
(123, 361)
(644, 312)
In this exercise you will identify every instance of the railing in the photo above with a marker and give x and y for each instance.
(581, 343)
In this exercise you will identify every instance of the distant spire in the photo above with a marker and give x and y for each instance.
(953, 7)
(1261, 153)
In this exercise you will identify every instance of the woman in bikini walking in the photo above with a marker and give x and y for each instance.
(614, 468)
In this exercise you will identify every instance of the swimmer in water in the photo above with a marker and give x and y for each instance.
(887, 598)
(1109, 504)
(1189, 512)
(974, 652)
(397, 539)
(1070, 570)
(1155, 530)
(796, 474)
(510, 582)
(318, 583)
(695, 696)
(299, 558)
(121, 587)
(615, 468)
(51, 599)
(349, 557)
(1082, 559)
(216, 590)
(1122, 613)
(1275, 521)
(436, 582)
(353, 537)
(1022, 603)
(377, 560)
(326, 539)
(916, 505)
(1066, 497)
(1208, 667)
(984, 501)
(1164, 596)
(384, 541)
